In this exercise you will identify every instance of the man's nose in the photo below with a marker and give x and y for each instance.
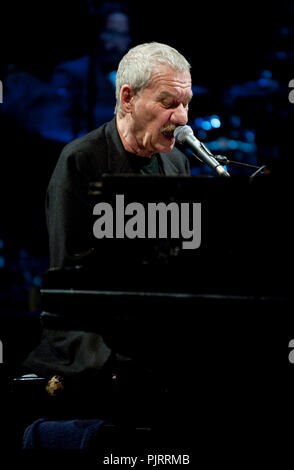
(180, 116)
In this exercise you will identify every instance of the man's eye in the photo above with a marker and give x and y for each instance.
(167, 104)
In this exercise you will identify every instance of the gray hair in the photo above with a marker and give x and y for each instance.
(135, 68)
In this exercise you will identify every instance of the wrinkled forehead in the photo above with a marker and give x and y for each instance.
(169, 81)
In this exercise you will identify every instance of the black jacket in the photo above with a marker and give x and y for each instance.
(68, 208)
(70, 225)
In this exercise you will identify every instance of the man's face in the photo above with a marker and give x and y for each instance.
(160, 108)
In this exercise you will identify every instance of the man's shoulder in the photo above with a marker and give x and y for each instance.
(86, 155)
(85, 142)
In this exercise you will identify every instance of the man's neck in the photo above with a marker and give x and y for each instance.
(130, 144)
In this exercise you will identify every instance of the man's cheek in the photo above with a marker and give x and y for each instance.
(148, 140)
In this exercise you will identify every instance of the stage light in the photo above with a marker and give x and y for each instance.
(215, 122)
(198, 122)
(249, 135)
(233, 144)
(201, 134)
(206, 125)
(112, 77)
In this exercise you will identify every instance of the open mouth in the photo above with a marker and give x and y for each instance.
(168, 135)
(168, 132)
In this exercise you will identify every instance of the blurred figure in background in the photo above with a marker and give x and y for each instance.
(84, 88)
(80, 94)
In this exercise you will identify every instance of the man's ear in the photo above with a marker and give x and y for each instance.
(126, 96)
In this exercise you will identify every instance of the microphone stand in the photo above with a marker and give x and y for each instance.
(225, 161)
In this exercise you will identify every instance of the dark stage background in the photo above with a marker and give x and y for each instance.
(242, 57)
(242, 61)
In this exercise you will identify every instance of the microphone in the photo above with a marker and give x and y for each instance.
(185, 135)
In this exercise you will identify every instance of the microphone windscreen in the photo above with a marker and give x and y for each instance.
(181, 132)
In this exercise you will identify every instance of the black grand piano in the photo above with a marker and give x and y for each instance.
(215, 323)
(244, 254)
(225, 306)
